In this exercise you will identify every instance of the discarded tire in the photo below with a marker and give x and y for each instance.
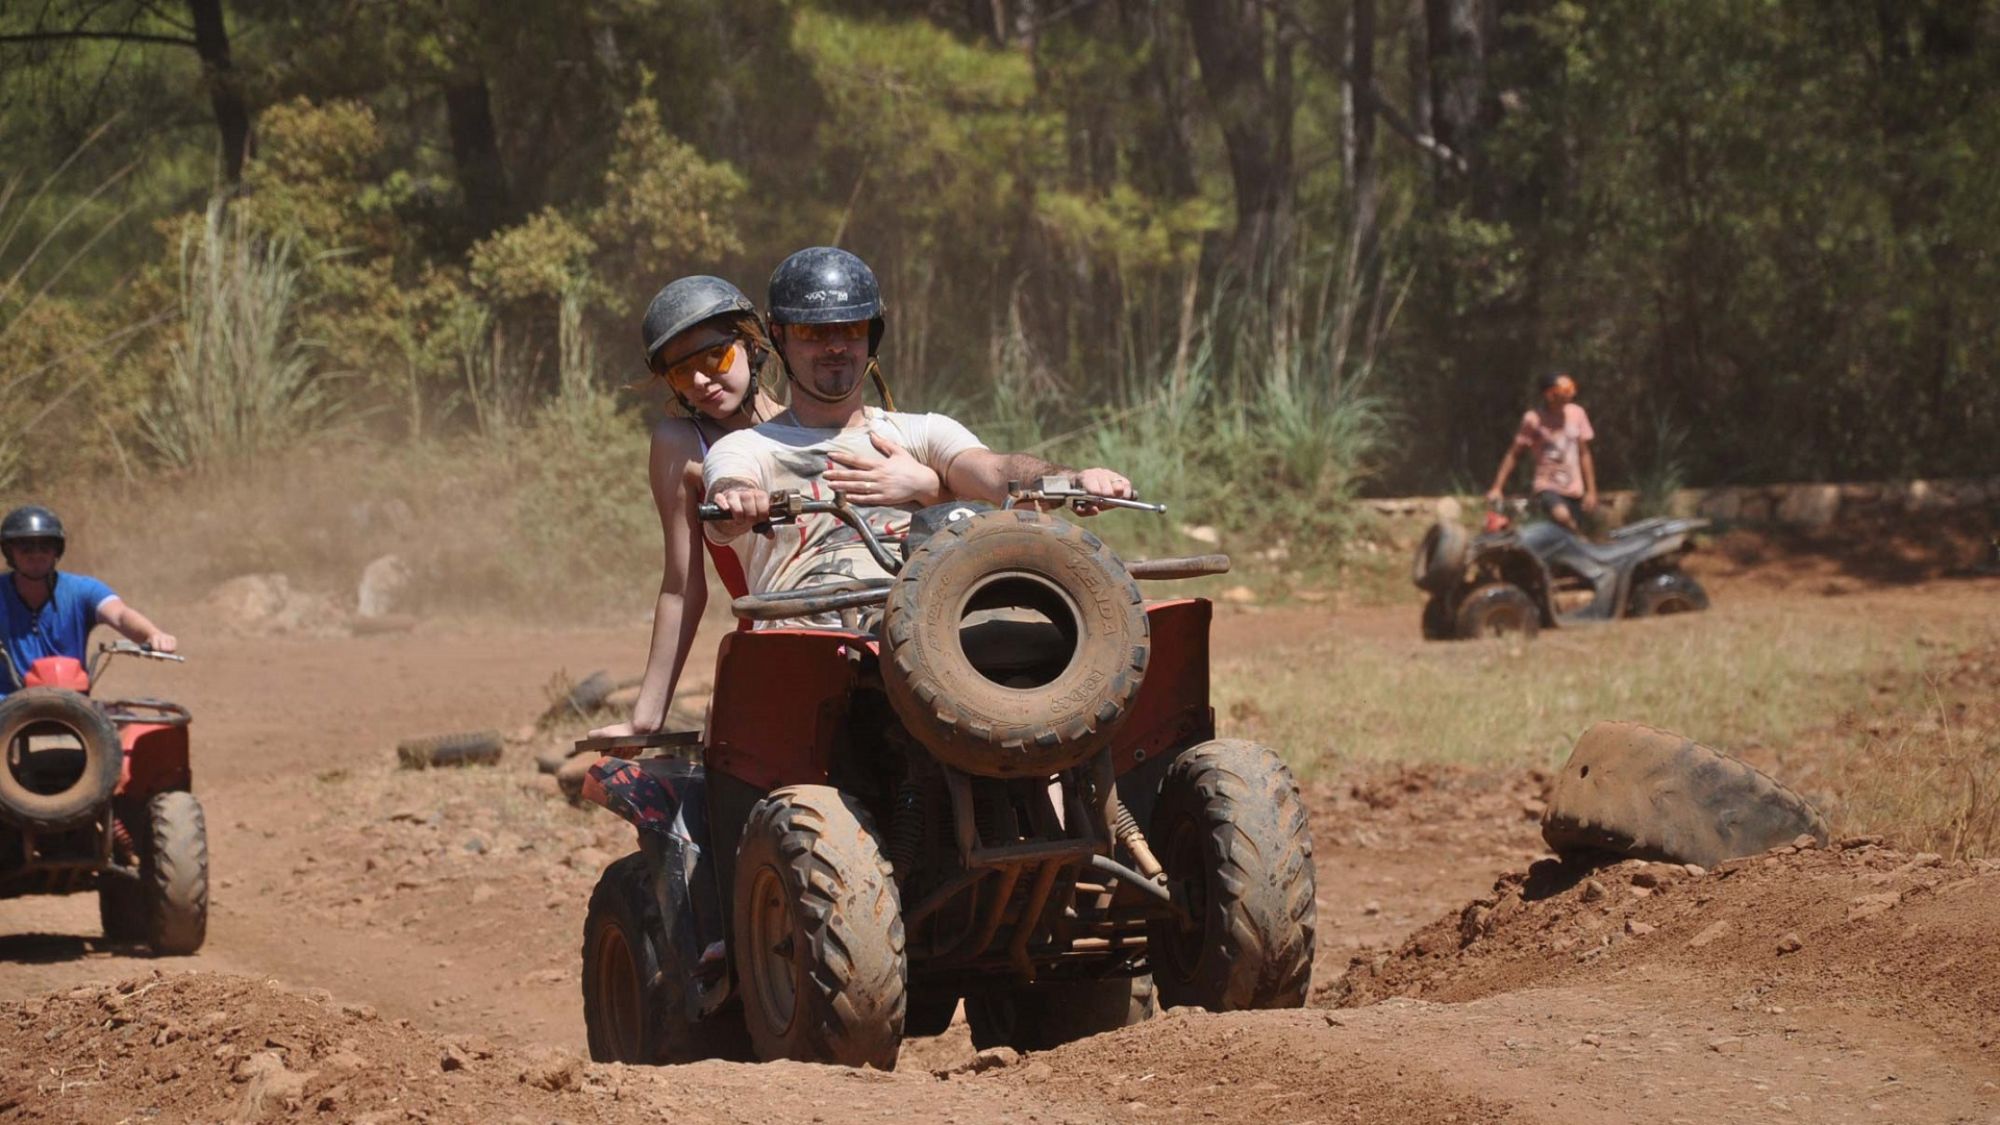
(1040, 1018)
(1669, 591)
(1650, 794)
(174, 874)
(61, 760)
(818, 932)
(1074, 657)
(1439, 563)
(634, 1006)
(480, 748)
(1231, 827)
(1498, 609)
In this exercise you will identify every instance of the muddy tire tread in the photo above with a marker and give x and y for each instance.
(855, 994)
(1261, 912)
(1474, 607)
(103, 761)
(175, 874)
(1656, 589)
(933, 706)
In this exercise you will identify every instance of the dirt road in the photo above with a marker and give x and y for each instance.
(390, 943)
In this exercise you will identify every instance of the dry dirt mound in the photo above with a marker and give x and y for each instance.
(209, 1047)
(1903, 937)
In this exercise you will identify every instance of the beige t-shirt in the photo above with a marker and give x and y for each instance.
(781, 455)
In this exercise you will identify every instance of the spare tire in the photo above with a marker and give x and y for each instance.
(1013, 644)
(1439, 563)
(1651, 794)
(49, 788)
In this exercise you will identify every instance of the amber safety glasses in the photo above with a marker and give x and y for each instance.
(711, 360)
(845, 332)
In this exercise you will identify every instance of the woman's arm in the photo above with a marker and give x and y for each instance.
(672, 469)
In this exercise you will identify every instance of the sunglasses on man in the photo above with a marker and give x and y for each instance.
(848, 332)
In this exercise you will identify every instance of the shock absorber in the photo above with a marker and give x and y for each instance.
(1127, 828)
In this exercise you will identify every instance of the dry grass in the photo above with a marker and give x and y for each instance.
(1850, 708)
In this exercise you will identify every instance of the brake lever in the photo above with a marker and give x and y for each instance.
(1063, 493)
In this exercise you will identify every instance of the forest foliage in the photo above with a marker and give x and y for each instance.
(1310, 246)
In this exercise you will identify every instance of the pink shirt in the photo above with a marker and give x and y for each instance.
(1557, 448)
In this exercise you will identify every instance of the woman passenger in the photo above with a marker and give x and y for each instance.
(704, 339)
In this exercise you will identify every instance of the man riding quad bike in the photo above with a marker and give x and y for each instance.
(1512, 579)
(998, 782)
(94, 794)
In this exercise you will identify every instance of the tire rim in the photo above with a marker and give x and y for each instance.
(1024, 590)
(618, 992)
(1504, 620)
(45, 770)
(773, 953)
(1186, 864)
(1673, 604)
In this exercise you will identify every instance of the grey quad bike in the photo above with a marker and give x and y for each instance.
(1517, 579)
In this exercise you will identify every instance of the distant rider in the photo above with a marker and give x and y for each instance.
(45, 612)
(1556, 436)
(827, 321)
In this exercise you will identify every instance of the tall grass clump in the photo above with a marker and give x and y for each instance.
(239, 379)
(1263, 420)
(1662, 471)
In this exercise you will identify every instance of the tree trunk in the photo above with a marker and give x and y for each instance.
(475, 151)
(1459, 34)
(1360, 135)
(225, 89)
(1252, 99)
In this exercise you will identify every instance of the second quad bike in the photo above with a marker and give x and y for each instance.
(97, 795)
(996, 781)
(1517, 579)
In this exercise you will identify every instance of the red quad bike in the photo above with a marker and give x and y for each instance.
(95, 796)
(997, 781)
(1515, 580)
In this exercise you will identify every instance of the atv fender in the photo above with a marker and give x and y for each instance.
(666, 800)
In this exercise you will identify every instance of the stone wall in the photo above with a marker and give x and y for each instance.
(1792, 505)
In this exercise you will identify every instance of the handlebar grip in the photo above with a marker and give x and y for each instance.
(709, 513)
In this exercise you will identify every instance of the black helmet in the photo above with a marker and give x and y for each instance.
(687, 302)
(31, 521)
(827, 285)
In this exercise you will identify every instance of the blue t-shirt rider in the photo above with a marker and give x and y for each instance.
(44, 612)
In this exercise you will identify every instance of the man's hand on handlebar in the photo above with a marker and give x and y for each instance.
(1102, 482)
(740, 506)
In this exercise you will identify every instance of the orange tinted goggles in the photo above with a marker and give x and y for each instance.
(848, 332)
(711, 361)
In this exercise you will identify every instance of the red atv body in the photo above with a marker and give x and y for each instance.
(96, 795)
(850, 850)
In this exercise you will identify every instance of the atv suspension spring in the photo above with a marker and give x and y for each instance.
(1127, 828)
